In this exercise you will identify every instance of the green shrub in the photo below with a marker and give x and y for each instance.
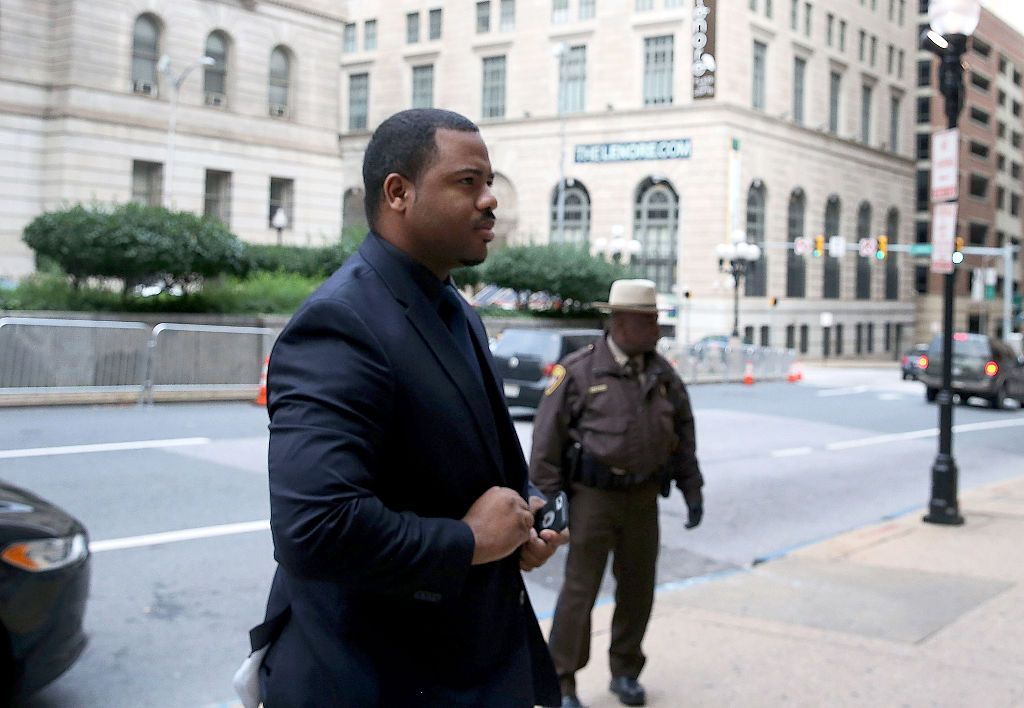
(135, 243)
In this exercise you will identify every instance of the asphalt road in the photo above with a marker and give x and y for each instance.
(785, 465)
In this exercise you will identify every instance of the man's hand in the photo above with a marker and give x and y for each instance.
(501, 522)
(536, 551)
(695, 514)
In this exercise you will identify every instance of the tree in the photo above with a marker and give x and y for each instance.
(565, 271)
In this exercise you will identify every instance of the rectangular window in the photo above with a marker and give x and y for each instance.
(1000, 162)
(412, 28)
(835, 82)
(807, 19)
(865, 114)
(1015, 170)
(799, 71)
(507, 23)
(758, 88)
(980, 82)
(804, 331)
(559, 11)
(658, 62)
(923, 146)
(980, 47)
(435, 21)
(924, 110)
(767, 8)
(790, 336)
(1016, 108)
(217, 196)
(979, 116)
(890, 60)
(923, 183)
(147, 182)
(830, 21)
(572, 79)
(494, 87)
(358, 101)
(588, 9)
(863, 44)
(1000, 198)
(978, 186)
(1015, 139)
(874, 49)
(282, 196)
(894, 124)
(842, 35)
(899, 64)
(1014, 204)
(370, 35)
(348, 38)
(644, 5)
(902, 12)
(976, 234)
(924, 72)
(483, 17)
(794, 14)
(423, 86)
(979, 150)
(920, 279)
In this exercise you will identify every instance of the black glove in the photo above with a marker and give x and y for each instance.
(696, 513)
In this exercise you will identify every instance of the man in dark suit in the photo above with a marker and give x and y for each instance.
(400, 509)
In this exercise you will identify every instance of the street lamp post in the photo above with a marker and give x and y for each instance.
(737, 259)
(951, 22)
(617, 249)
(280, 222)
(164, 67)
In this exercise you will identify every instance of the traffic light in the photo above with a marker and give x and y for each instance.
(882, 249)
(958, 250)
(819, 246)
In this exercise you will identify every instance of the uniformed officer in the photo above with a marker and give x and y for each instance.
(613, 429)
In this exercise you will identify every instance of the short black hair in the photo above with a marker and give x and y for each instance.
(404, 143)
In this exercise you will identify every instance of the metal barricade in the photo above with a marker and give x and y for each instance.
(727, 364)
(56, 355)
(183, 358)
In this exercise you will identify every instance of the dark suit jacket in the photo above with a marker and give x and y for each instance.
(381, 438)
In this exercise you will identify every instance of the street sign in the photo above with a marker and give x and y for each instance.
(836, 246)
(945, 164)
(867, 247)
(920, 249)
(802, 245)
(943, 235)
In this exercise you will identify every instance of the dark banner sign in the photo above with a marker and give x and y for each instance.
(627, 152)
(704, 65)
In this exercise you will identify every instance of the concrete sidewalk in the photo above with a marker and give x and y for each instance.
(898, 614)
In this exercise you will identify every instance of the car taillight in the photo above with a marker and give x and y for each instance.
(991, 368)
(922, 362)
(548, 368)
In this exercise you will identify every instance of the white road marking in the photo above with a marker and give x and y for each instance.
(890, 397)
(156, 539)
(929, 433)
(792, 451)
(101, 447)
(842, 391)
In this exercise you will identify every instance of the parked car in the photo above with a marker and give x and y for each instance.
(910, 362)
(982, 366)
(525, 359)
(44, 583)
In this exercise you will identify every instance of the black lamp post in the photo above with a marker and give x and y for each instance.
(737, 259)
(952, 22)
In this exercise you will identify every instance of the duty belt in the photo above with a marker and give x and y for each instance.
(594, 473)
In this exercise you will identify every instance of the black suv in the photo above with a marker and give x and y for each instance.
(982, 366)
(526, 357)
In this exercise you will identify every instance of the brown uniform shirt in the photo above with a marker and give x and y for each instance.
(635, 425)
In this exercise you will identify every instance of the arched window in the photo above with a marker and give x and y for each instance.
(656, 227)
(353, 212)
(575, 225)
(863, 287)
(892, 271)
(145, 54)
(757, 273)
(508, 210)
(280, 80)
(215, 76)
(830, 276)
(796, 265)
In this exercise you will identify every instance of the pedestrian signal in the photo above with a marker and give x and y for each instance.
(958, 250)
(882, 248)
(819, 246)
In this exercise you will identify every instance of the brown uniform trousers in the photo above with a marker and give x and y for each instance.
(633, 430)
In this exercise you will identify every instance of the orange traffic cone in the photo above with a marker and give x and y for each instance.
(261, 397)
(795, 372)
(748, 373)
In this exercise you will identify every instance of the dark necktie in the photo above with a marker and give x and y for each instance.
(454, 318)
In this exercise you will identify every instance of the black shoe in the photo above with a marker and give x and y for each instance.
(569, 700)
(629, 691)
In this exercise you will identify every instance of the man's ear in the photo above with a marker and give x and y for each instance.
(398, 192)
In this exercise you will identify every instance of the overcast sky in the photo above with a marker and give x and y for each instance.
(1011, 11)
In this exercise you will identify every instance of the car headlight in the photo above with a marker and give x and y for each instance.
(43, 554)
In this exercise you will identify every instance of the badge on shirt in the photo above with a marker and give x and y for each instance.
(598, 388)
(557, 376)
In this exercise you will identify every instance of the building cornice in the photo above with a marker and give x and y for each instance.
(294, 7)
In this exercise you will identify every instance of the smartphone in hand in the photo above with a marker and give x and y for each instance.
(554, 515)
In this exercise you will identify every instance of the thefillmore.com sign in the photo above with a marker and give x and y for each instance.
(704, 64)
(627, 152)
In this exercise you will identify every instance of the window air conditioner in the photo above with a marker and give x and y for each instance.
(215, 99)
(144, 87)
(276, 109)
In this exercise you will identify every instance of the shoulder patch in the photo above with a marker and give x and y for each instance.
(557, 376)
